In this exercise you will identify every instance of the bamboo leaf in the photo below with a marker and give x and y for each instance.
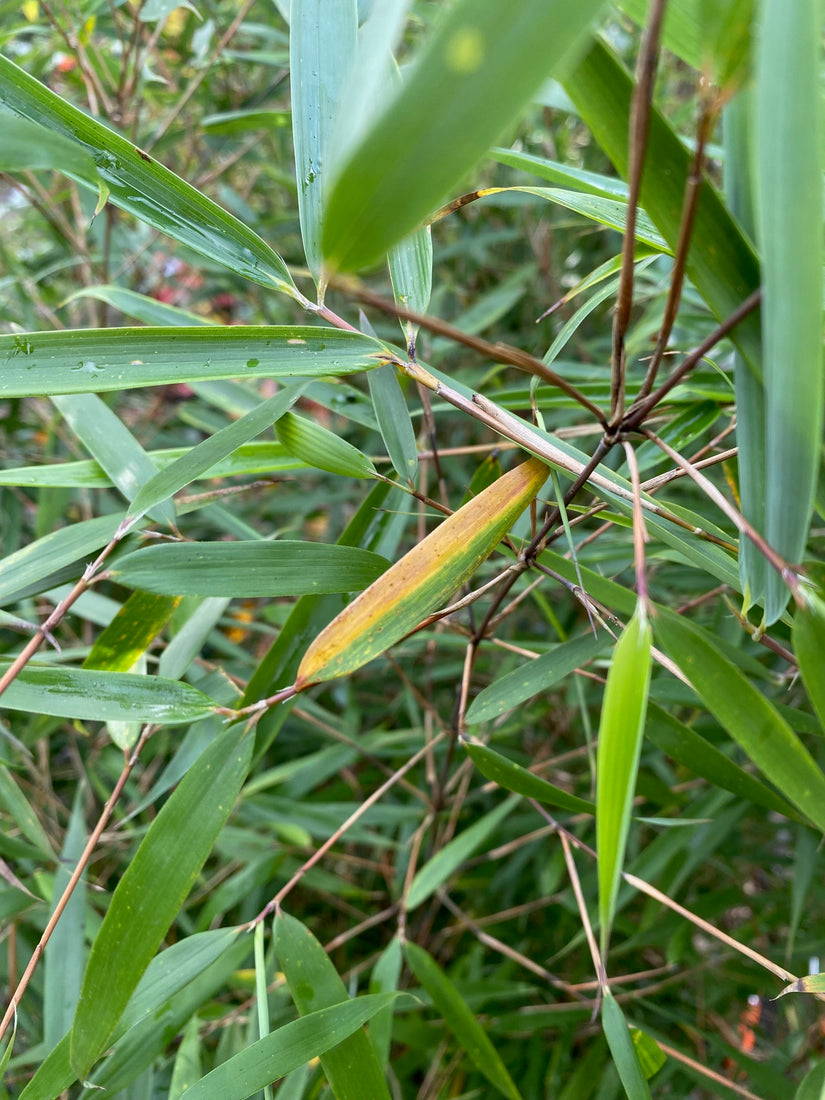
(109, 441)
(788, 205)
(130, 632)
(455, 1013)
(808, 637)
(449, 858)
(529, 679)
(394, 420)
(259, 568)
(741, 709)
(692, 751)
(476, 73)
(153, 888)
(411, 271)
(811, 983)
(92, 696)
(319, 447)
(622, 1049)
(620, 743)
(35, 567)
(384, 979)
(137, 183)
(147, 310)
(64, 964)
(513, 777)
(422, 580)
(98, 360)
(29, 145)
(317, 1034)
(351, 1067)
(322, 38)
(210, 452)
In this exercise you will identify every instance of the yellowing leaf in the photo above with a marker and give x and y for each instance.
(422, 580)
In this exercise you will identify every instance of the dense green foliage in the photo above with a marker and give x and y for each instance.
(307, 790)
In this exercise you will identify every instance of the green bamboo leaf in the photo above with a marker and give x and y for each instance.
(259, 568)
(149, 311)
(721, 262)
(22, 814)
(137, 183)
(605, 211)
(513, 777)
(422, 580)
(476, 73)
(154, 887)
(92, 696)
(394, 420)
(682, 31)
(317, 1034)
(411, 271)
(579, 179)
(620, 744)
(449, 858)
(168, 973)
(460, 1020)
(98, 360)
(788, 205)
(692, 751)
(319, 447)
(210, 452)
(741, 709)
(322, 38)
(35, 567)
(812, 1085)
(384, 979)
(29, 145)
(187, 1068)
(109, 441)
(351, 1067)
(131, 631)
(623, 1050)
(537, 675)
(250, 458)
(808, 637)
(64, 963)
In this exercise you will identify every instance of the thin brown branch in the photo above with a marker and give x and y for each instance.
(637, 140)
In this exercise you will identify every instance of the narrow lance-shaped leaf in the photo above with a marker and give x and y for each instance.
(621, 1047)
(620, 744)
(218, 447)
(137, 183)
(458, 1017)
(477, 72)
(154, 887)
(351, 1067)
(98, 360)
(319, 447)
(809, 645)
(789, 217)
(318, 1034)
(322, 37)
(92, 696)
(108, 440)
(259, 568)
(512, 777)
(746, 714)
(422, 580)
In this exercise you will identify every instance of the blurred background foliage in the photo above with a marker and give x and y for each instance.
(204, 88)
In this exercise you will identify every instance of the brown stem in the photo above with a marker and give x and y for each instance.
(637, 140)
